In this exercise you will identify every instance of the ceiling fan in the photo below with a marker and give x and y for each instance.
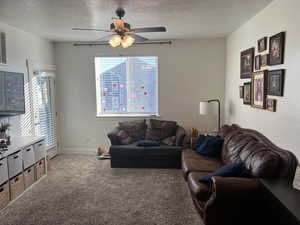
(122, 33)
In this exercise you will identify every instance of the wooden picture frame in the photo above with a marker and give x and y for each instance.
(276, 82)
(241, 88)
(247, 93)
(271, 104)
(276, 49)
(262, 44)
(247, 62)
(257, 62)
(259, 89)
(264, 60)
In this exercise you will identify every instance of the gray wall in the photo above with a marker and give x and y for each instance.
(283, 126)
(189, 71)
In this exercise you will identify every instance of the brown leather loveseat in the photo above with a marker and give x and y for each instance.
(230, 200)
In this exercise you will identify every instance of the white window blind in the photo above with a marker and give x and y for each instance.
(126, 86)
(43, 108)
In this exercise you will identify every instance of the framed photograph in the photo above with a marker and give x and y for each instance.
(259, 89)
(277, 43)
(262, 44)
(241, 91)
(275, 82)
(2, 48)
(247, 62)
(271, 104)
(264, 60)
(257, 62)
(247, 93)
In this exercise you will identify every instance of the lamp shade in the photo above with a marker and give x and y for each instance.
(208, 108)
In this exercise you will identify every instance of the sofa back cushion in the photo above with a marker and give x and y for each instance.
(257, 157)
(131, 131)
(160, 129)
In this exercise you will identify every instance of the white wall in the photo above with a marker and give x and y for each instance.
(20, 46)
(283, 126)
(188, 72)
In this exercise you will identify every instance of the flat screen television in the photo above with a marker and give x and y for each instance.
(12, 101)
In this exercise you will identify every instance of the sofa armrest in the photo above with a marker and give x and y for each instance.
(113, 136)
(180, 135)
(232, 199)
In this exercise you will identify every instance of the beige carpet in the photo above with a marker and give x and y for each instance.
(82, 190)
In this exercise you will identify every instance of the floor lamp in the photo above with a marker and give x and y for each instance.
(207, 108)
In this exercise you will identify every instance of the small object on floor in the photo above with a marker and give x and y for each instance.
(100, 151)
(104, 156)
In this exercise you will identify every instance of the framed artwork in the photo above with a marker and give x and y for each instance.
(259, 89)
(262, 44)
(241, 91)
(277, 43)
(2, 48)
(264, 60)
(271, 104)
(247, 93)
(257, 62)
(247, 62)
(275, 82)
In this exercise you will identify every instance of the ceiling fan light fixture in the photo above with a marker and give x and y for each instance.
(115, 41)
(127, 41)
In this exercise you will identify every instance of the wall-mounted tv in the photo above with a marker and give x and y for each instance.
(12, 101)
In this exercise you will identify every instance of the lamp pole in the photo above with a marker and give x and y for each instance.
(219, 111)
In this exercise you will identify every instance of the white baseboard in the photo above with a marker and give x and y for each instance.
(82, 151)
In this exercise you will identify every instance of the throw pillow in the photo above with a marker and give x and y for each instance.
(169, 141)
(160, 129)
(147, 143)
(135, 129)
(230, 170)
(124, 138)
(199, 141)
(210, 146)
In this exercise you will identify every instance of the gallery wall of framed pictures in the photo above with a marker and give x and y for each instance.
(265, 82)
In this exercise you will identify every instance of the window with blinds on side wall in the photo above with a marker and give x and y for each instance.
(126, 86)
(43, 108)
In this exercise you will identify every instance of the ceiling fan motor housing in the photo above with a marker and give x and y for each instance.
(120, 12)
(126, 25)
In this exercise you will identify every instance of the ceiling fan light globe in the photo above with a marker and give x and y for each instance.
(127, 41)
(115, 41)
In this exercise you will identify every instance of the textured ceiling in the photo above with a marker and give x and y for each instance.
(53, 19)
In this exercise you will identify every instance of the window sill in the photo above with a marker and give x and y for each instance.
(127, 116)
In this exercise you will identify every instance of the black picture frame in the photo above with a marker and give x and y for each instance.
(276, 49)
(247, 62)
(259, 89)
(276, 82)
(247, 93)
(241, 88)
(264, 60)
(257, 62)
(262, 44)
(271, 104)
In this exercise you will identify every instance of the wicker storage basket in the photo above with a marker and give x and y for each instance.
(29, 177)
(40, 169)
(16, 186)
(4, 195)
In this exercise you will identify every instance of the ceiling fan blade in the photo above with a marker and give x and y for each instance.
(138, 37)
(106, 38)
(90, 29)
(149, 29)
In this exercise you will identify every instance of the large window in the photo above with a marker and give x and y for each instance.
(126, 86)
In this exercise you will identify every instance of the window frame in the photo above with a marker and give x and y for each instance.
(99, 113)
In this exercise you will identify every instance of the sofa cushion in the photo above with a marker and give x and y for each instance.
(230, 170)
(160, 129)
(147, 143)
(211, 146)
(260, 159)
(199, 190)
(169, 141)
(124, 138)
(194, 162)
(134, 129)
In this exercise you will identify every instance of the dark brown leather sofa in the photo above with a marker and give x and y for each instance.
(229, 200)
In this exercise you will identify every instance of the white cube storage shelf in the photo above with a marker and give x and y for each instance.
(18, 166)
